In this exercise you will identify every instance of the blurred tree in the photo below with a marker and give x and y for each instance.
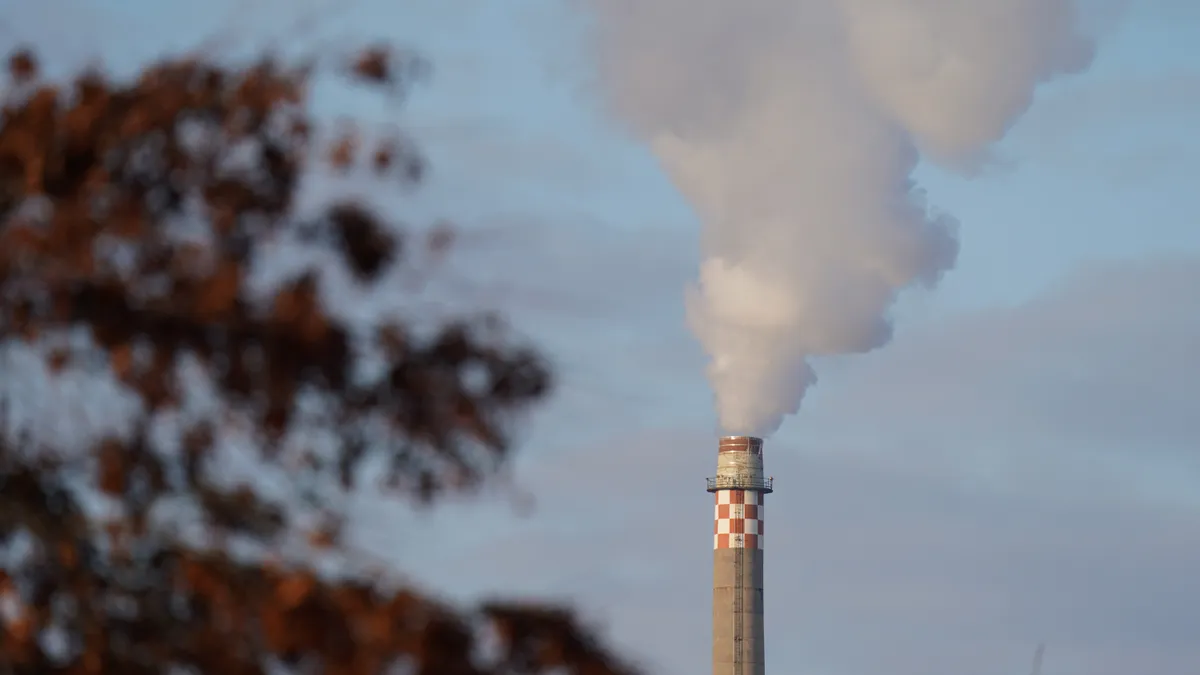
(132, 214)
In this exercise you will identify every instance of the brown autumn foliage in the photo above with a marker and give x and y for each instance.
(98, 180)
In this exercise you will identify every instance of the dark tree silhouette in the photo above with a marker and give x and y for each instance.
(133, 212)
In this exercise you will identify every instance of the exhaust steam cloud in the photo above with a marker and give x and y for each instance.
(793, 128)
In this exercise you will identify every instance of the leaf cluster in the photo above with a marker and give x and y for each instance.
(133, 213)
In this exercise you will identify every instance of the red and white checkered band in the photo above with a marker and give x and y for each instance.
(739, 519)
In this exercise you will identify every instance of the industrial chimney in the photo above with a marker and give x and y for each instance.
(738, 557)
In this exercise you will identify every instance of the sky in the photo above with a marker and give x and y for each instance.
(1020, 465)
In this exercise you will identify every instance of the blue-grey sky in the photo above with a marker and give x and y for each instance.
(1020, 465)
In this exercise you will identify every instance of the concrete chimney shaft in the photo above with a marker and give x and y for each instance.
(739, 487)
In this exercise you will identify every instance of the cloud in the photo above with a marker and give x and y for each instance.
(1129, 128)
(1095, 375)
(989, 481)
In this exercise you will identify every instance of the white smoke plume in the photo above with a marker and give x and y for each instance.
(793, 127)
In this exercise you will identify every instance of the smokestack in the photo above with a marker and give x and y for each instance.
(739, 487)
